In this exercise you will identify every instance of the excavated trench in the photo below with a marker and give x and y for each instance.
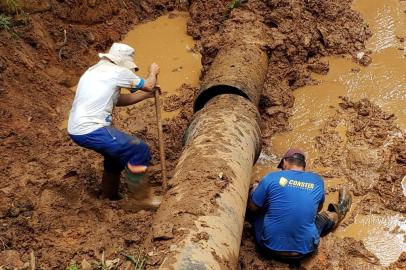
(51, 209)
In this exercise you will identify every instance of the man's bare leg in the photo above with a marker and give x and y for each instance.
(137, 169)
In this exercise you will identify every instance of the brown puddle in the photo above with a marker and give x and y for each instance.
(383, 235)
(165, 42)
(384, 83)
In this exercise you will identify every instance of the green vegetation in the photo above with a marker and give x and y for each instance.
(139, 261)
(72, 266)
(10, 6)
(6, 22)
(235, 4)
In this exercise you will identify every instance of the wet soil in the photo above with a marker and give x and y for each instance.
(370, 153)
(48, 186)
(383, 83)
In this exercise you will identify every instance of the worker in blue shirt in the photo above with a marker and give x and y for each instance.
(284, 209)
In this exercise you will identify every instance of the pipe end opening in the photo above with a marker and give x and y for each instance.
(211, 92)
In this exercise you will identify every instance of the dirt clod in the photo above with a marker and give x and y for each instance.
(163, 231)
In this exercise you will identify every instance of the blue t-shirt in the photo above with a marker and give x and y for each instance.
(289, 201)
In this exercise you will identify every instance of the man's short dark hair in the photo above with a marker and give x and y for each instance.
(297, 160)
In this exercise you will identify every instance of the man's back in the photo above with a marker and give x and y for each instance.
(96, 95)
(289, 200)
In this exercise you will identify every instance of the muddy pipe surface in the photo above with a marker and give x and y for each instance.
(200, 221)
(239, 70)
(199, 224)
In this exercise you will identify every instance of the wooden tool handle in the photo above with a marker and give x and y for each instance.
(161, 138)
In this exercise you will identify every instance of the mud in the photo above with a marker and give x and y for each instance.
(382, 82)
(382, 234)
(166, 42)
(348, 254)
(48, 186)
(369, 154)
(361, 146)
(373, 156)
(315, 108)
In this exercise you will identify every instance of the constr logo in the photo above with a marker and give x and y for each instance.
(283, 181)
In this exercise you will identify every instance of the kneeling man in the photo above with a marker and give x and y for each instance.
(284, 209)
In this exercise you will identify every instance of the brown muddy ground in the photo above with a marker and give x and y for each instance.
(360, 143)
(48, 186)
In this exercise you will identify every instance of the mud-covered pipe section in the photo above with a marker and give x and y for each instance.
(235, 70)
(200, 221)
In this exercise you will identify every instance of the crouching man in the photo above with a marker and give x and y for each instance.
(284, 210)
(90, 119)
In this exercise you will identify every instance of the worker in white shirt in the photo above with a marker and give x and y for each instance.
(90, 119)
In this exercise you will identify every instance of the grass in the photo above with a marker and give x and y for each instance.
(9, 5)
(72, 266)
(235, 4)
(6, 22)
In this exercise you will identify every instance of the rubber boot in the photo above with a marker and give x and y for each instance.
(343, 205)
(140, 189)
(110, 185)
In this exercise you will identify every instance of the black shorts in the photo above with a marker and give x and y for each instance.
(324, 224)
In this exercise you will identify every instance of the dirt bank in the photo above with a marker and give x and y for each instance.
(48, 185)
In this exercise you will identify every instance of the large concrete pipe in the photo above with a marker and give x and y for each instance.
(199, 224)
(211, 184)
(235, 70)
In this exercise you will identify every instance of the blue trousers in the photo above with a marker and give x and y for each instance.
(117, 148)
(323, 224)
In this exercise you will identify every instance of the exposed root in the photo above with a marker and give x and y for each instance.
(65, 40)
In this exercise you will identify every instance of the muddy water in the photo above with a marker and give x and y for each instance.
(165, 42)
(383, 235)
(383, 82)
